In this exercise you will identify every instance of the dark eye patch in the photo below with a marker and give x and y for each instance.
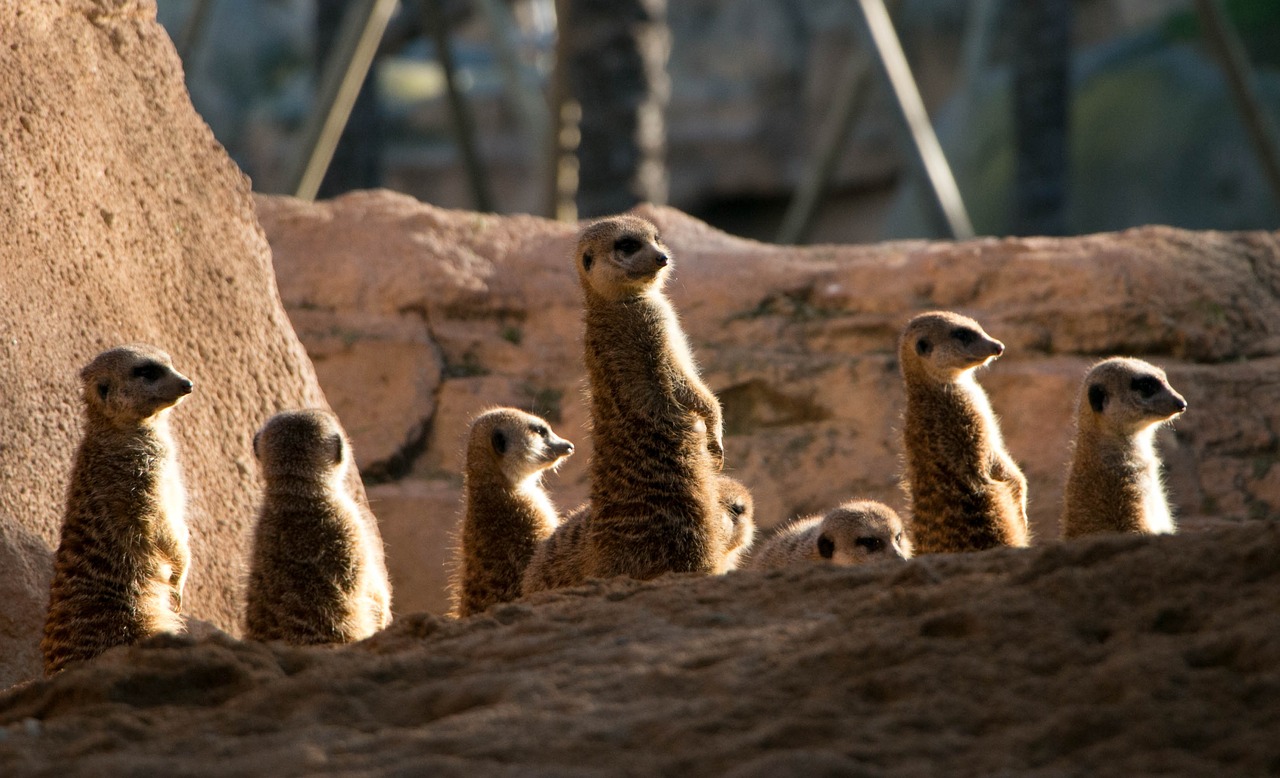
(872, 545)
(1146, 385)
(1097, 397)
(148, 371)
(538, 429)
(964, 335)
(737, 508)
(104, 389)
(826, 547)
(627, 245)
(499, 440)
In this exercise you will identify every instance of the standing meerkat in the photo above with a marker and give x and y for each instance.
(313, 571)
(967, 493)
(560, 560)
(656, 428)
(123, 554)
(1113, 483)
(851, 534)
(507, 511)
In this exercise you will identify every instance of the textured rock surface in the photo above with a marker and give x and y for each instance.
(1115, 656)
(123, 220)
(799, 343)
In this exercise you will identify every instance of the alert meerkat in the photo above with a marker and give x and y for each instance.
(851, 534)
(314, 577)
(1113, 482)
(507, 511)
(123, 555)
(656, 428)
(967, 493)
(560, 560)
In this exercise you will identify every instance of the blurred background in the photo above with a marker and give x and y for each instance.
(771, 119)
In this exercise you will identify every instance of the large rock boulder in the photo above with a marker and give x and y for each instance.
(799, 343)
(123, 220)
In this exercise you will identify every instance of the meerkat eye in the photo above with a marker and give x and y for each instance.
(627, 245)
(586, 261)
(923, 347)
(539, 430)
(965, 335)
(872, 545)
(1145, 385)
(826, 547)
(149, 371)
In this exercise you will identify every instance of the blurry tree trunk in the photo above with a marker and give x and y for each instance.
(616, 71)
(1041, 72)
(357, 160)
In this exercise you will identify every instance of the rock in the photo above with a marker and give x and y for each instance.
(123, 220)
(800, 345)
(1100, 656)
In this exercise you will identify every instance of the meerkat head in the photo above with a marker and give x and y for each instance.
(946, 345)
(520, 445)
(861, 531)
(306, 443)
(739, 513)
(132, 383)
(1128, 396)
(621, 257)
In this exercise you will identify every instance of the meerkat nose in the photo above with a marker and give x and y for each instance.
(662, 259)
(999, 347)
(1181, 405)
(186, 386)
(566, 448)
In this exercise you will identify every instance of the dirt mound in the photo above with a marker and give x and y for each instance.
(1113, 656)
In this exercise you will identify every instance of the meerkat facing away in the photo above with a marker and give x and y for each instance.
(738, 515)
(656, 428)
(851, 534)
(313, 576)
(560, 560)
(1113, 483)
(967, 493)
(507, 511)
(124, 552)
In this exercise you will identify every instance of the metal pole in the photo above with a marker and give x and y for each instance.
(562, 140)
(464, 126)
(344, 73)
(924, 140)
(850, 98)
(1235, 66)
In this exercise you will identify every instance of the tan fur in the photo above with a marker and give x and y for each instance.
(656, 428)
(1113, 482)
(560, 560)
(313, 576)
(507, 512)
(123, 556)
(967, 493)
(851, 534)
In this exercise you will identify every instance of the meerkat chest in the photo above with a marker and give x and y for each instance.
(1155, 506)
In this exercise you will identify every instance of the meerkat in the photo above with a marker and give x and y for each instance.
(313, 572)
(124, 551)
(850, 534)
(560, 560)
(656, 428)
(738, 516)
(1113, 483)
(507, 512)
(966, 492)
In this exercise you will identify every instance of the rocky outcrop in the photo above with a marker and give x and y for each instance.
(1111, 656)
(799, 343)
(123, 220)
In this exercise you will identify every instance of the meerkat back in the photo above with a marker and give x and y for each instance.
(507, 512)
(123, 554)
(1113, 481)
(312, 577)
(966, 492)
(656, 428)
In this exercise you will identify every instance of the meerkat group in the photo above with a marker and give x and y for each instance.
(659, 501)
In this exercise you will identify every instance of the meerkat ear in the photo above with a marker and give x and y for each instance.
(826, 547)
(923, 347)
(499, 439)
(256, 436)
(1097, 397)
(338, 448)
(104, 389)
(586, 260)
